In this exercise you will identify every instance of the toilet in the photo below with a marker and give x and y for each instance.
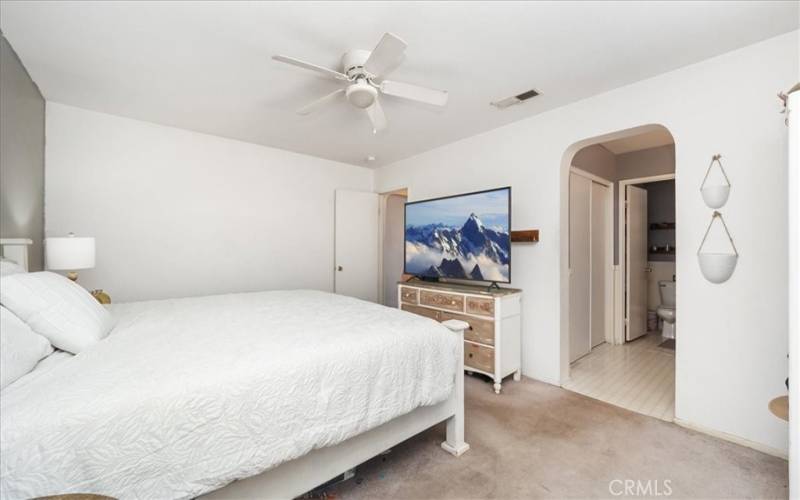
(666, 311)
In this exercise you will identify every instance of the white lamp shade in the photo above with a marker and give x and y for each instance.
(69, 253)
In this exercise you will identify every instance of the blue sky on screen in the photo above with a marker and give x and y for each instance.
(491, 208)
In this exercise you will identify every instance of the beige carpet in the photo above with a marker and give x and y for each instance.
(541, 441)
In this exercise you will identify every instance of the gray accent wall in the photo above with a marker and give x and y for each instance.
(22, 110)
(596, 160)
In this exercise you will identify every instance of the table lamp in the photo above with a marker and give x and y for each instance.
(69, 253)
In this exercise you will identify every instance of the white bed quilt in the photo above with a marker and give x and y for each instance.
(187, 395)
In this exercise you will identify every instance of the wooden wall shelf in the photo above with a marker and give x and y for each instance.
(527, 236)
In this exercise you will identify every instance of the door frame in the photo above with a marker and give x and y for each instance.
(381, 232)
(621, 282)
(609, 274)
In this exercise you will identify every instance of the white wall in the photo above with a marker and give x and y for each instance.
(179, 213)
(731, 359)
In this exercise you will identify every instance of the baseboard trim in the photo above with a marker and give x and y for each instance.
(733, 439)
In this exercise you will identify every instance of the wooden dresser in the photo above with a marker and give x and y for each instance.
(492, 344)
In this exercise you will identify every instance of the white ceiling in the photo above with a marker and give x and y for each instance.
(206, 66)
(652, 139)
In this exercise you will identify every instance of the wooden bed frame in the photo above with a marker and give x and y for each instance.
(303, 474)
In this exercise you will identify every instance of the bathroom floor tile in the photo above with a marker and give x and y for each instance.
(638, 376)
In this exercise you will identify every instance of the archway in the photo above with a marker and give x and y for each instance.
(602, 304)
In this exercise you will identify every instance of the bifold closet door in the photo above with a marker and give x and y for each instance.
(599, 251)
(580, 193)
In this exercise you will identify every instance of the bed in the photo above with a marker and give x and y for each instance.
(264, 395)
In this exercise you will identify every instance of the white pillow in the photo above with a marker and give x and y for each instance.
(57, 308)
(20, 348)
(9, 267)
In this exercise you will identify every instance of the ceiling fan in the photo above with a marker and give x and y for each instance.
(363, 72)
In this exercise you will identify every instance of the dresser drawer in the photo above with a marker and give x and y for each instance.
(422, 311)
(408, 295)
(481, 307)
(478, 357)
(441, 300)
(480, 330)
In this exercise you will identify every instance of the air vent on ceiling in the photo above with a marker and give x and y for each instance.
(510, 101)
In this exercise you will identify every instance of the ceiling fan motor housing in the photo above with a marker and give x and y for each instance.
(353, 62)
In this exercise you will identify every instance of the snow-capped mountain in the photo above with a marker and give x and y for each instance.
(470, 251)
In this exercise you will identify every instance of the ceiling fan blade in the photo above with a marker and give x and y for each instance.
(313, 67)
(414, 92)
(377, 117)
(389, 51)
(311, 107)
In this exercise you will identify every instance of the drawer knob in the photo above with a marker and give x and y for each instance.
(470, 355)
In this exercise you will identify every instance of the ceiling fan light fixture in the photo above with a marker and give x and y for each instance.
(361, 94)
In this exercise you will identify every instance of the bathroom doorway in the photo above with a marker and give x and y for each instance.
(622, 333)
(648, 243)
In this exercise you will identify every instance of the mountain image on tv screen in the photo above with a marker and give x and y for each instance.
(464, 237)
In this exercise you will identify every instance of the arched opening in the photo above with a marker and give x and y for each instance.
(618, 333)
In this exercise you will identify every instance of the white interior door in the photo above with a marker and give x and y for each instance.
(599, 255)
(580, 191)
(636, 262)
(356, 244)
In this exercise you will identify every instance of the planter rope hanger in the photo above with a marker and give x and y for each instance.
(717, 267)
(715, 196)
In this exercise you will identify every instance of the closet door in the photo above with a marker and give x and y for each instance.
(580, 192)
(599, 261)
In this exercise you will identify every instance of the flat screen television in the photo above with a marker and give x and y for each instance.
(460, 237)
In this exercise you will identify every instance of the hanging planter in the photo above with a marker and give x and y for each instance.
(717, 267)
(715, 195)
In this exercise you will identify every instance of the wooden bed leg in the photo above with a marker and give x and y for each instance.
(454, 442)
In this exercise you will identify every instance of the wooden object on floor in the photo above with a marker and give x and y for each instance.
(527, 236)
(492, 343)
(780, 407)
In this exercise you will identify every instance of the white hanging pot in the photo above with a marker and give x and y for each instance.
(715, 195)
(717, 267)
